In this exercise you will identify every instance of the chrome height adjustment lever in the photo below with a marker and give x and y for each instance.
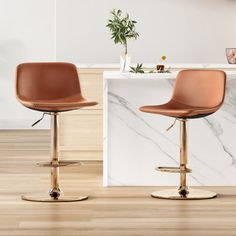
(35, 123)
(171, 125)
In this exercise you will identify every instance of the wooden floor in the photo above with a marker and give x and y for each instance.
(108, 212)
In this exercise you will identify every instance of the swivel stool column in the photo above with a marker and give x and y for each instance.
(51, 88)
(197, 93)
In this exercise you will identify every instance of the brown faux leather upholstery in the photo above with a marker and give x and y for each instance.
(49, 87)
(197, 93)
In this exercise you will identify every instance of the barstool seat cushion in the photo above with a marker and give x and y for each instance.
(57, 105)
(197, 93)
(178, 110)
(50, 87)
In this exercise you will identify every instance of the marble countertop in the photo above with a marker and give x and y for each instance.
(152, 65)
(136, 142)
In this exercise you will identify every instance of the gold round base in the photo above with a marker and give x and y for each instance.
(194, 194)
(46, 198)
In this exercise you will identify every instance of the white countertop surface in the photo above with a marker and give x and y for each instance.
(152, 65)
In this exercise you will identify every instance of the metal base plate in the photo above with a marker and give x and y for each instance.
(194, 194)
(46, 198)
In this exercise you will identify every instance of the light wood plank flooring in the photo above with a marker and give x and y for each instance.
(110, 211)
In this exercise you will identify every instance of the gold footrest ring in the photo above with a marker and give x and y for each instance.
(46, 198)
(60, 164)
(194, 194)
(173, 169)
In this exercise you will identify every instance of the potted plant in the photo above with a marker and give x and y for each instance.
(138, 69)
(122, 28)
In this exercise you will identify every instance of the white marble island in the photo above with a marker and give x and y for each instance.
(135, 142)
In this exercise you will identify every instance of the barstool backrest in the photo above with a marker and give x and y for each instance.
(47, 80)
(200, 88)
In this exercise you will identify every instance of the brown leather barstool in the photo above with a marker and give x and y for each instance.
(51, 88)
(197, 93)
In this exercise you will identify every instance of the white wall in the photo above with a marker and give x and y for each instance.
(189, 31)
(26, 34)
(193, 31)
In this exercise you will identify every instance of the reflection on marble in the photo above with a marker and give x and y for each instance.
(135, 142)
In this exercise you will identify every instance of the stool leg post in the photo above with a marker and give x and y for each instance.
(55, 191)
(183, 188)
(183, 192)
(55, 194)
